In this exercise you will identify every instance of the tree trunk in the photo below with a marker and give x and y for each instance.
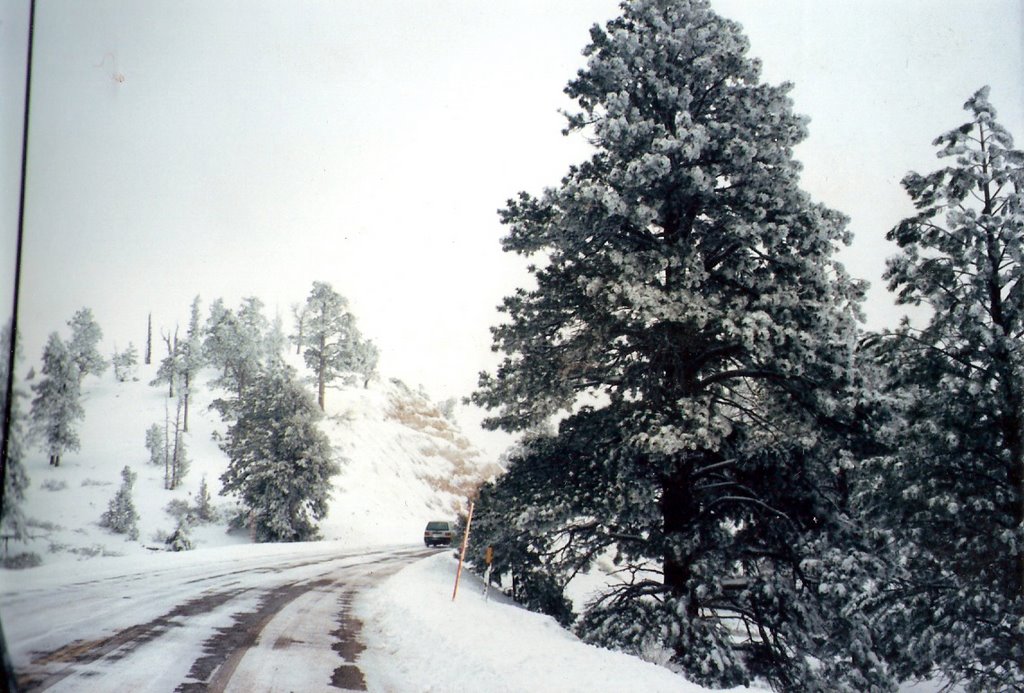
(678, 512)
(188, 380)
(321, 374)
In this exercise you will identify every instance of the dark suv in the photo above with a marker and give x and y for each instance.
(439, 533)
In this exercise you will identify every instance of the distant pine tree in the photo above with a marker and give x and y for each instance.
(84, 345)
(204, 510)
(124, 363)
(236, 342)
(121, 516)
(57, 405)
(330, 337)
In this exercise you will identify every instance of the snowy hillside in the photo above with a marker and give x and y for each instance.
(402, 463)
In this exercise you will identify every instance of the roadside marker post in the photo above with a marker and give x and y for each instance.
(462, 555)
(488, 559)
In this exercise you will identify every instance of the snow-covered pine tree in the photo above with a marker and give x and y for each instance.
(124, 363)
(155, 444)
(690, 318)
(192, 358)
(170, 370)
(179, 462)
(330, 338)
(280, 461)
(121, 516)
(952, 488)
(364, 360)
(204, 510)
(299, 319)
(149, 339)
(12, 519)
(85, 337)
(236, 342)
(57, 404)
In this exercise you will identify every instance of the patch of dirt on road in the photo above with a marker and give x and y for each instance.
(49, 667)
(224, 650)
(348, 676)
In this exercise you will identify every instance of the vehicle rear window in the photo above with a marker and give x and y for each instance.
(438, 526)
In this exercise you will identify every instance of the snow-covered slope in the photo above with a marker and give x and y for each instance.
(402, 464)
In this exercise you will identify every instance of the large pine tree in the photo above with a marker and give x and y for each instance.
(953, 487)
(690, 324)
(280, 461)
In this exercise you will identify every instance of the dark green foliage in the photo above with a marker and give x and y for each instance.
(280, 462)
(690, 324)
(951, 487)
(16, 482)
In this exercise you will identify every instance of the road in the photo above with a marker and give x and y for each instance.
(261, 622)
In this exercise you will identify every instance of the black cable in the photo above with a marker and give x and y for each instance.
(10, 683)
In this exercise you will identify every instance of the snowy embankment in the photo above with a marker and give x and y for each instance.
(418, 639)
(402, 463)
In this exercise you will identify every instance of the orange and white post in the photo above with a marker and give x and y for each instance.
(462, 555)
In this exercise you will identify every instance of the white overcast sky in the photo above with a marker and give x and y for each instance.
(233, 148)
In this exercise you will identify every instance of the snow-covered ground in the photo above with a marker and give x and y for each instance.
(419, 639)
(402, 463)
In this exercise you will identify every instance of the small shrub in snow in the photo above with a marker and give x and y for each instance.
(22, 560)
(178, 509)
(93, 482)
(204, 510)
(54, 485)
(44, 525)
(180, 539)
(155, 444)
(121, 516)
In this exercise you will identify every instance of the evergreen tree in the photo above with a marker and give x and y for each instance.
(952, 488)
(280, 462)
(85, 338)
(332, 342)
(178, 462)
(155, 444)
(299, 317)
(276, 341)
(236, 342)
(124, 363)
(149, 339)
(690, 320)
(364, 360)
(192, 358)
(121, 516)
(170, 370)
(16, 482)
(57, 406)
(204, 510)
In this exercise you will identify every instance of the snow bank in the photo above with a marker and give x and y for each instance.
(418, 639)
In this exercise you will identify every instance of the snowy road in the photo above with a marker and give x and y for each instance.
(270, 620)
